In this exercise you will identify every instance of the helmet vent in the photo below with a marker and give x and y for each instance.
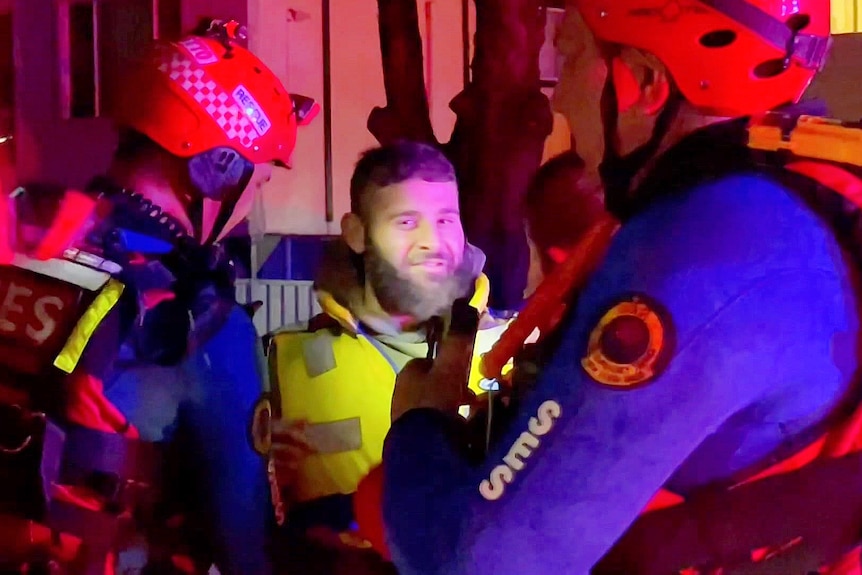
(718, 38)
(770, 68)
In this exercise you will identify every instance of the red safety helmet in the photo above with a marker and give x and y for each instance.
(202, 93)
(728, 57)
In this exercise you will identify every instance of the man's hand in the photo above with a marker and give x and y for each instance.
(290, 447)
(440, 383)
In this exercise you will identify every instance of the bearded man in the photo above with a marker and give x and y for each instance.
(401, 261)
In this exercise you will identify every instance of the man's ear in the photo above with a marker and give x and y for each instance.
(626, 85)
(656, 91)
(353, 232)
(640, 80)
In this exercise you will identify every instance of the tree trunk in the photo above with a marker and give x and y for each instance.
(499, 136)
(406, 113)
(502, 122)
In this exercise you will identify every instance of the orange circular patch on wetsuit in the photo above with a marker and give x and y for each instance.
(629, 345)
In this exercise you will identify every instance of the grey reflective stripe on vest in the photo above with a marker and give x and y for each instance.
(335, 436)
(318, 354)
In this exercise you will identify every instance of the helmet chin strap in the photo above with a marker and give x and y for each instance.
(618, 172)
(215, 216)
(219, 175)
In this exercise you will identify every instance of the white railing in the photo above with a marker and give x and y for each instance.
(284, 302)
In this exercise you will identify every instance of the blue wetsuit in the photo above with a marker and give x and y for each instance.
(759, 326)
(188, 375)
(206, 404)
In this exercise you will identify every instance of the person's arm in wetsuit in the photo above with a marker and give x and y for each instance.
(753, 305)
(234, 492)
(201, 409)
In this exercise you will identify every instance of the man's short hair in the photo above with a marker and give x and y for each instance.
(560, 206)
(392, 164)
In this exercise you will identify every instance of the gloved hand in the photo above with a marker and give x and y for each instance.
(441, 383)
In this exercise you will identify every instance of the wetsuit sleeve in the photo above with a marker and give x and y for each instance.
(583, 457)
(229, 477)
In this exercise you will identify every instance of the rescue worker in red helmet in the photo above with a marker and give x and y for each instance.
(718, 337)
(148, 464)
(214, 104)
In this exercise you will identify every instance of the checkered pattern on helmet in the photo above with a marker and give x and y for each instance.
(218, 104)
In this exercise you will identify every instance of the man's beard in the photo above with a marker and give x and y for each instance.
(399, 295)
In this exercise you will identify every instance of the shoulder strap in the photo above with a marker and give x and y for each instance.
(323, 321)
(810, 137)
(89, 321)
(316, 323)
